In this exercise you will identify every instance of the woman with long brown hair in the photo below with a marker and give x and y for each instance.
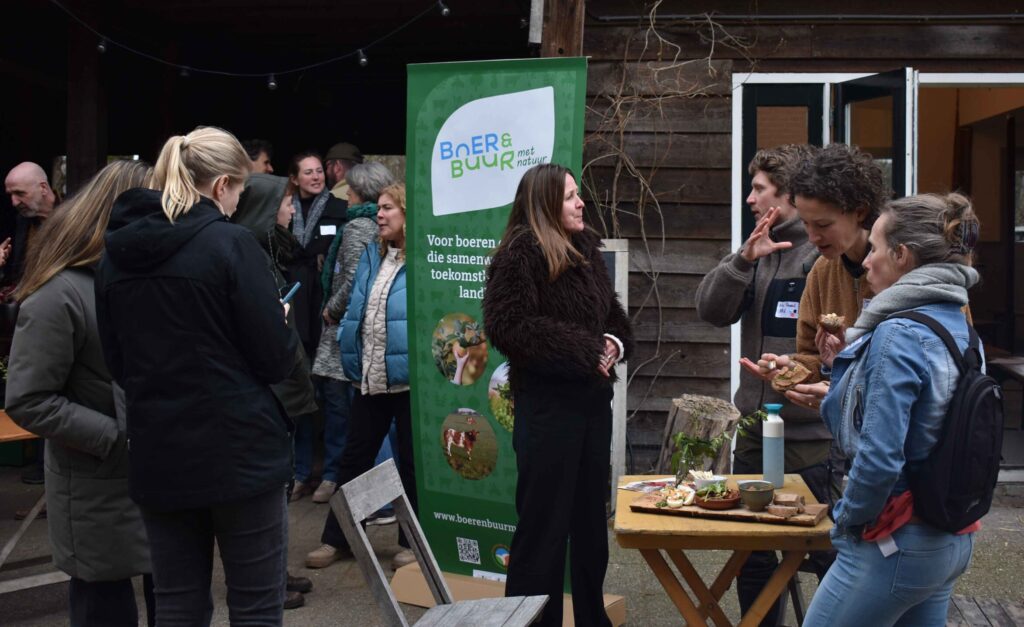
(59, 388)
(549, 307)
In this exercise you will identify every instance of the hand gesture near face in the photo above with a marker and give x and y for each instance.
(760, 243)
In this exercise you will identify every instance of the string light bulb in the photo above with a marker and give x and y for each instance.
(102, 46)
(363, 61)
(445, 11)
(271, 83)
(184, 73)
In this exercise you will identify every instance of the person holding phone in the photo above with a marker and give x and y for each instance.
(194, 331)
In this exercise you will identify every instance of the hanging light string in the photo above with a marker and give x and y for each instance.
(360, 53)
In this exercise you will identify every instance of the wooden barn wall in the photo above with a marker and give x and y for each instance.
(662, 107)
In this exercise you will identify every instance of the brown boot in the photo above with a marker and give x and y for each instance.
(293, 600)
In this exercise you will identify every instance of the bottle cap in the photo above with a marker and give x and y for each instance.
(773, 407)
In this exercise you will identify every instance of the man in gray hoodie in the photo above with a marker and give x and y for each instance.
(761, 285)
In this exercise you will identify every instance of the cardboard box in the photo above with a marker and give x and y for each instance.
(410, 587)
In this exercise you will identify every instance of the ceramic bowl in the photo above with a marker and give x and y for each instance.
(756, 495)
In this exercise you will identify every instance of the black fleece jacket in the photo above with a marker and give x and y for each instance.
(193, 331)
(553, 329)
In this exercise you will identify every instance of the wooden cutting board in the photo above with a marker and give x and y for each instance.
(813, 514)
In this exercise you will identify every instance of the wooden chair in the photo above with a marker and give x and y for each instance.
(367, 493)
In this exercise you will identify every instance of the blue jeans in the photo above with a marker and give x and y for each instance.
(253, 538)
(385, 453)
(337, 399)
(910, 587)
(303, 446)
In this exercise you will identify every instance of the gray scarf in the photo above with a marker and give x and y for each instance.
(305, 231)
(929, 284)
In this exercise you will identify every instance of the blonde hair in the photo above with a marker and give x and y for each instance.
(397, 193)
(73, 235)
(936, 228)
(537, 208)
(188, 162)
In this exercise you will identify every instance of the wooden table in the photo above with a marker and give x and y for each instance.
(10, 432)
(654, 534)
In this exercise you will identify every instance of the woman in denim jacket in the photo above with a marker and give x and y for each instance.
(893, 383)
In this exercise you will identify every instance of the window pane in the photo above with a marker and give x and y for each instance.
(781, 125)
(871, 129)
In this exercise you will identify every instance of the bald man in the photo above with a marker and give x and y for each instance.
(30, 191)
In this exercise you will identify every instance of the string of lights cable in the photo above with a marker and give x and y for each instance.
(359, 53)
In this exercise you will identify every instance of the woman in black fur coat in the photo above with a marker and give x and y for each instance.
(549, 307)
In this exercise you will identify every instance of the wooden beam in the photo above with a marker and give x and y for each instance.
(86, 132)
(563, 28)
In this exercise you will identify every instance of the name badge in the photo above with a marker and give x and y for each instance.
(328, 229)
(787, 309)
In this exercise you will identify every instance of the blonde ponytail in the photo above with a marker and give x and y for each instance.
(188, 162)
(935, 228)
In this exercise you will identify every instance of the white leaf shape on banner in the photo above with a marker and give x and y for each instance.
(485, 146)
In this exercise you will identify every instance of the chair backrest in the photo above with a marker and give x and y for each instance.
(356, 501)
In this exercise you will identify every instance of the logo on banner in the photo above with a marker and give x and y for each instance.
(486, 145)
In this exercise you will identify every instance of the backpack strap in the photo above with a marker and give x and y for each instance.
(970, 358)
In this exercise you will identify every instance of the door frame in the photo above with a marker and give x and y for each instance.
(826, 79)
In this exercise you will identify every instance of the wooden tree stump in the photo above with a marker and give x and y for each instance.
(700, 417)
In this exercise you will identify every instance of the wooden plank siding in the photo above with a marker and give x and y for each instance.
(659, 107)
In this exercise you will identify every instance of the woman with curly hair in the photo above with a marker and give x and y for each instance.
(838, 194)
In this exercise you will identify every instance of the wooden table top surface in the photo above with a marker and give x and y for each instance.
(10, 432)
(642, 530)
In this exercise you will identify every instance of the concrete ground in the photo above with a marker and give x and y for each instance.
(340, 597)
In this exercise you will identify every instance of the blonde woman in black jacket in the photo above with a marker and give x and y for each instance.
(550, 309)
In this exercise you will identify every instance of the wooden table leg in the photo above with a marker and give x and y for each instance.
(791, 561)
(729, 573)
(708, 601)
(675, 590)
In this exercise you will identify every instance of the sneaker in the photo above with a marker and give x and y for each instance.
(381, 519)
(324, 491)
(402, 558)
(293, 600)
(300, 489)
(322, 557)
(298, 584)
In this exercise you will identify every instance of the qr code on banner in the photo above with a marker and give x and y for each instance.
(469, 550)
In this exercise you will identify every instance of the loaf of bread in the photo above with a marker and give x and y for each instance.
(788, 498)
(785, 511)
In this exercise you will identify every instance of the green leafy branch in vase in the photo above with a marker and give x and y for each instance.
(693, 452)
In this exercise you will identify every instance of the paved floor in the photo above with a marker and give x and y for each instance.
(340, 597)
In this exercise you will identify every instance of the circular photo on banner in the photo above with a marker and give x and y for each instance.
(499, 394)
(459, 347)
(501, 555)
(469, 444)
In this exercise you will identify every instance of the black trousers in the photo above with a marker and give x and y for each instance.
(824, 484)
(108, 603)
(562, 438)
(368, 425)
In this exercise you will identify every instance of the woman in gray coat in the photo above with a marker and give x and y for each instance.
(59, 388)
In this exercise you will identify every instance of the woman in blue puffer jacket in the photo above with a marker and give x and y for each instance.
(892, 385)
(374, 344)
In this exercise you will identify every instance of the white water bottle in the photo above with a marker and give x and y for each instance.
(773, 451)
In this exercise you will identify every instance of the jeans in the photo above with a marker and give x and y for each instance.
(373, 417)
(337, 401)
(910, 587)
(252, 536)
(303, 444)
(385, 453)
(108, 603)
(760, 566)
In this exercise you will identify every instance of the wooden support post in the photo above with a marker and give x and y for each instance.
(87, 124)
(563, 28)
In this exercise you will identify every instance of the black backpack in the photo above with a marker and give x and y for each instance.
(953, 486)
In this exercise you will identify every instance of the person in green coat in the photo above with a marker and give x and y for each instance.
(59, 387)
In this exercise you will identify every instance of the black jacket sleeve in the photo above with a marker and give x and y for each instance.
(108, 338)
(617, 323)
(266, 342)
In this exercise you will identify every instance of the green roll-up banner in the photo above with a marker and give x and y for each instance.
(473, 130)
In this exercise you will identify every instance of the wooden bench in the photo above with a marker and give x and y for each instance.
(964, 610)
